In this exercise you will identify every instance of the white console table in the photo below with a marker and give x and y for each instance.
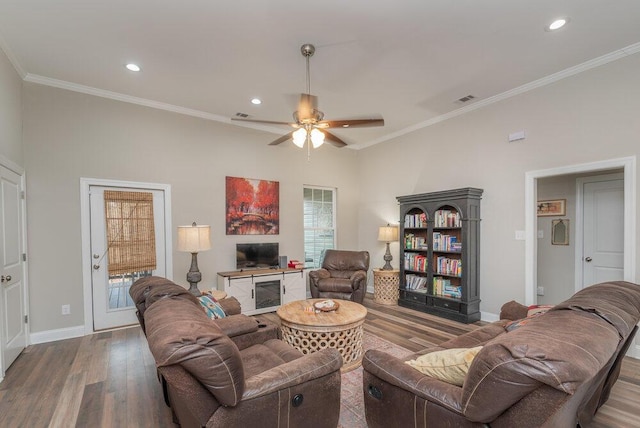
(264, 290)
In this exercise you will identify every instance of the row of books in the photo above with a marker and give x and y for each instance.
(447, 218)
(447, 266)
(412, 242)
(415, 220)
(446, 243)
(414, 261)
(443, 287)
(415, 282)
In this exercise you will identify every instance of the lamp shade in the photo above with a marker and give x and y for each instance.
(388, 233)
(194, 238)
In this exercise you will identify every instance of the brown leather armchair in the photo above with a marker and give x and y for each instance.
(343, 276)
(213, 380)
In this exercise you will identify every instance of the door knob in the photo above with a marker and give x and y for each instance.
(5, 278)
(588, 259)
(8, 278)
(96, 267)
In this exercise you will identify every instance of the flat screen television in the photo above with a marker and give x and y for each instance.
(256, 256)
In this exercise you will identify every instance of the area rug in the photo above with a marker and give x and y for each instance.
(352, 402)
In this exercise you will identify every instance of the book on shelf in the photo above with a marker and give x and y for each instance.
(443, 287)
(415, 220)
(415, 261)
(415, 282)
(413, 242)
(447, 266)
(447, 218)
(446, 243)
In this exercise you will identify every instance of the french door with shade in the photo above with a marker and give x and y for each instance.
(127, 243)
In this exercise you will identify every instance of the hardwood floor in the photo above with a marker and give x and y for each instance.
(109, 379)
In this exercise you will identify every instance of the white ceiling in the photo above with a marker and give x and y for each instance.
(407, 60)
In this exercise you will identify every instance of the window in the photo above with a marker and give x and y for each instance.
(319, 223)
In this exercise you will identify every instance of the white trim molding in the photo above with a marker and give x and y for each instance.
(57, 334)
(85, 225)
(531, 177)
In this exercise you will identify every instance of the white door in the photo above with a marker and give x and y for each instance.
(13, 295)
(112, 305)
(603, 232)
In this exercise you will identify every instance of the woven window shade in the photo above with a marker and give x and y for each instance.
(131, 238)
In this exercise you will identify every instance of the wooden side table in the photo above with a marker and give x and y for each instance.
(385, 286)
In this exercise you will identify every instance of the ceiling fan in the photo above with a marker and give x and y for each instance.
(309, 121)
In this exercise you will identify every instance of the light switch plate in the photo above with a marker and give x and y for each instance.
(519, 235)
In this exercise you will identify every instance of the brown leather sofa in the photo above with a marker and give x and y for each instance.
(249, 380)
(555, 370)
(239, 327)
(343, 275)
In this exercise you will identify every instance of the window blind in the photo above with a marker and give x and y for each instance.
(131, 238)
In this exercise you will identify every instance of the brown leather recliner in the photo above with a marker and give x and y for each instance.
(212, 381)
(343, 276)
(553, 371)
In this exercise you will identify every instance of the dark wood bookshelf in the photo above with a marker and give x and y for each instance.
(455, 216)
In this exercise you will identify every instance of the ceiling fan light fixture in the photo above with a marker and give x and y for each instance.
(299, 137)
(317, 138)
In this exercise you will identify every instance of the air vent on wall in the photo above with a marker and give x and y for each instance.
(466, 99)
(243, 115)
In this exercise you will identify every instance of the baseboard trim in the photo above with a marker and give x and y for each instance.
(58, 334)
(488, 316)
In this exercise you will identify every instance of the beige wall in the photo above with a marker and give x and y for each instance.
(588, 117)
(70, 135)
(10, 112)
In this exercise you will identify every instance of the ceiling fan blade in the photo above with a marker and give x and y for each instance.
(332, 139)
(272, 122)
(307, 105)
(281, 139)
(355, 123)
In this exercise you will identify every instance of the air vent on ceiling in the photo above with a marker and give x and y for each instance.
(466, 99)
(243, 115)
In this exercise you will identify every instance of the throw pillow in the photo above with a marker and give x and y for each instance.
(211, 307)
(538, 309)
(449, 365)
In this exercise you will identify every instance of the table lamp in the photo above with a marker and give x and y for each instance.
(388, 234)
(194, 239)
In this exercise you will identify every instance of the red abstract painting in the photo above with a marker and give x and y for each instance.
(253, 206)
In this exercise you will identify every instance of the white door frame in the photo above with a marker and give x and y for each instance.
(85, 225)
(580, 182)
(9, 164)
(531, 177)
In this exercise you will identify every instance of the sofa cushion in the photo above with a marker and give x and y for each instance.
(513, 310)
(211, 307)
(449, 365)
(178, 332)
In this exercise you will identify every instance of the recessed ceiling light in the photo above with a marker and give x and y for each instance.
(133, 67)
(557, 24)
(256, 101)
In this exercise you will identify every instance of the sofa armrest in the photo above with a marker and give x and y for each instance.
(230, 305)
(513, 311)
(236, 325)
(296, 372)
(314, 278)
(358, 278)
(397, 373)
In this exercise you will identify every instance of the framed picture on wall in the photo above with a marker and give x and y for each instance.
(253, 206)
(552, 207)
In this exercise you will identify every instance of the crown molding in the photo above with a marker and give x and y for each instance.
(547, 80)
(571, 71)
(12, 58)
(89, 90)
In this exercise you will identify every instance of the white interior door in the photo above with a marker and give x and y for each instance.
(603, 226)
(112, 305)
(13, 295)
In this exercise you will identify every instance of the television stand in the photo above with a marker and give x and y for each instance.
(264, 290)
